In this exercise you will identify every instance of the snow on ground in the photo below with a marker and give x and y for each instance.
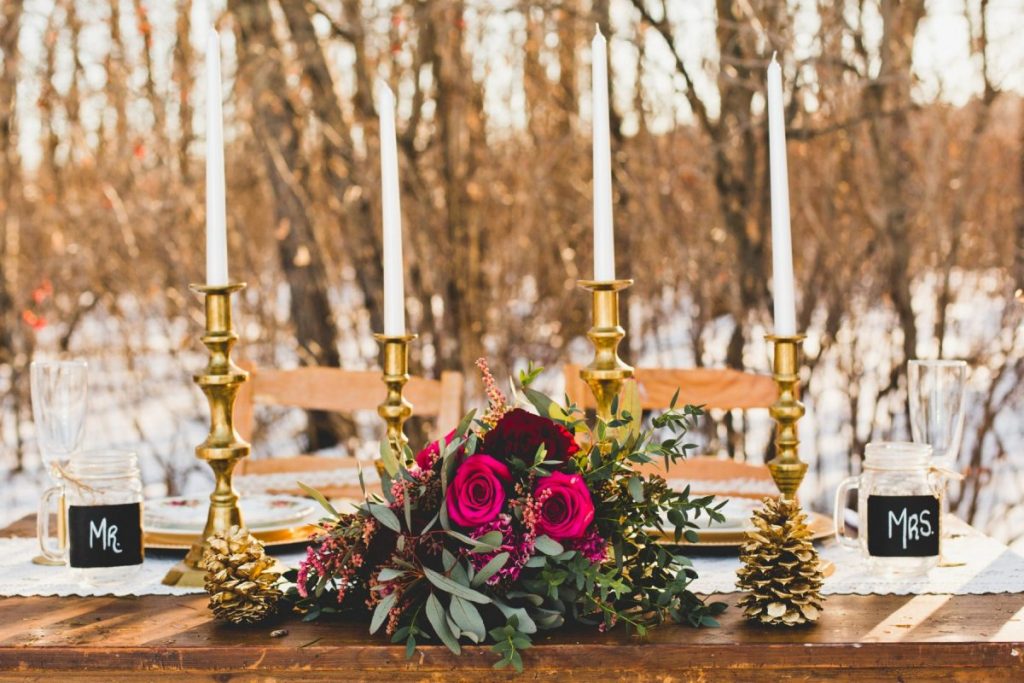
(146, 401)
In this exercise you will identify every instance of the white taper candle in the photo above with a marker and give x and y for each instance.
(216, 212)
(782, 247)
(394, 279)
(604, 236)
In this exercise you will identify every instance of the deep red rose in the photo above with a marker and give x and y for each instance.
(429, 455)
(519, 433)
(567, 510)
(477, 492)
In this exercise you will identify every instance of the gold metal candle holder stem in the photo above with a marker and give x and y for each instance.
(606, 372)
(395, 409)
(223, 448)
(786, 468)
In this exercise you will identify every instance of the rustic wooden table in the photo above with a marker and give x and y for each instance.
(969, 638)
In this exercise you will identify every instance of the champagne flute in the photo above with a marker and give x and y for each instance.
(59, 390)
(937, 412)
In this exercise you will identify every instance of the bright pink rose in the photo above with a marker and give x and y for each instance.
(567, 508)
(477, 493)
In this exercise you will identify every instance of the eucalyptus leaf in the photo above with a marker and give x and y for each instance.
(407, 509)
(487, 543)
(380, 612)
(388, 458)
(450, 586)
(468, 618)
(465, 422)
(548, 545)
(319, 497)
(636, 489)
(390, 574)
(492, 567)
(437, 618)
(525, 623)
(385, 516)
(447, 559)
(541, 402)
(494, 539)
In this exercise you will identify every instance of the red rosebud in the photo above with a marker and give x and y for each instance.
(520, 433)
(429, 455)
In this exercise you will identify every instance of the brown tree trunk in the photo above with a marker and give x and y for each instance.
(460, 122)
(183, 79)
(363, 239)
(892, 138)
(738, 170)
(276, 125)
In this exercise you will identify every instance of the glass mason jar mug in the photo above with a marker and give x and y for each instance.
(102, 493)
(897, 508)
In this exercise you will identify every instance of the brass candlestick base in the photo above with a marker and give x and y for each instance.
(786, 468)
(223, 448)
(395, 409)
(606, 372)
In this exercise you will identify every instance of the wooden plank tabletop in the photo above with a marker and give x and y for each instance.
(969, 638)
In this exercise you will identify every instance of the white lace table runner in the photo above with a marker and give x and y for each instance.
(979, 565)
(20, 577)
(973, 564)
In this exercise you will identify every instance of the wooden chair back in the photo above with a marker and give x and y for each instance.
(714, 388)
(343, 391)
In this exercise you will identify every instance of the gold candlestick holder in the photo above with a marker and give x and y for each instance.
(781, 572)
(786, 467)
(606, 372)
(395, 409)
(223, 448)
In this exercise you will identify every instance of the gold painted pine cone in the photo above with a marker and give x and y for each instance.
(781, 571)
(240, 578)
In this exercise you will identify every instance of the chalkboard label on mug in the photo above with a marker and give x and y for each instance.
(105, 535)
(903, 526)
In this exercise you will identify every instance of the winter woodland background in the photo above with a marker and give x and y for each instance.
(906, 145)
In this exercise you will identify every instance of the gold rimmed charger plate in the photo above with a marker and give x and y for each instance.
(164, 540)
(820, 525)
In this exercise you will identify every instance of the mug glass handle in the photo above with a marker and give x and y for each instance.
(43, 524)
(838, 518)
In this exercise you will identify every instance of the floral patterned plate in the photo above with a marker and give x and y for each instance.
(260, 512)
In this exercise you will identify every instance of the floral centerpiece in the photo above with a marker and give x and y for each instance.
(516, 521)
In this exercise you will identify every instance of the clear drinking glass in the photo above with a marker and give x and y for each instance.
(937, 409)
(59, 391)
(937, 412)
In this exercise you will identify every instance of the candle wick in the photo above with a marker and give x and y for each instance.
(598, 27)
(774, 52)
